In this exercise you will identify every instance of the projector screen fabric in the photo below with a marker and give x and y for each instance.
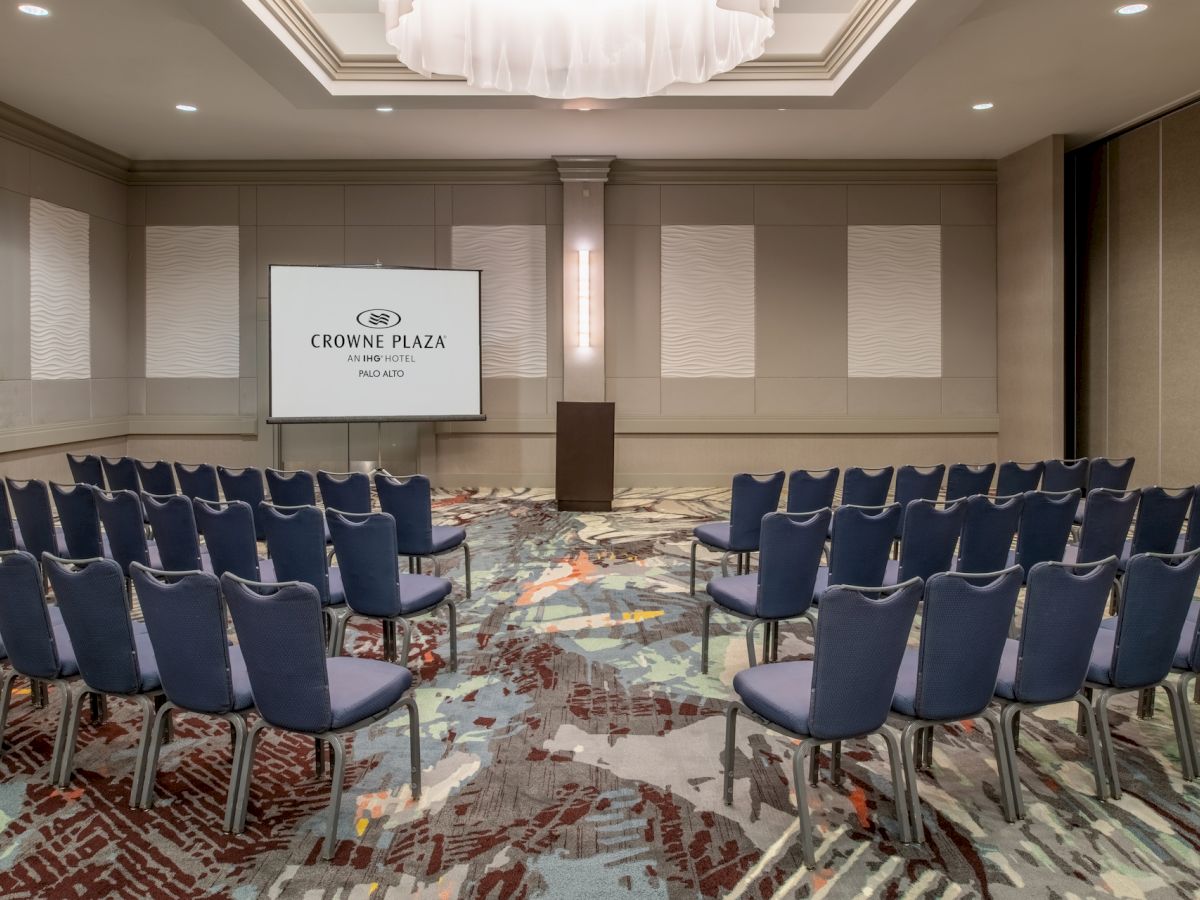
(374, 344)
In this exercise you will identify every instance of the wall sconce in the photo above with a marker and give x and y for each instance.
(585, 298)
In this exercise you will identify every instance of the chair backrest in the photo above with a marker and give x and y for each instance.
(964, 480)
(348, 491)
(31, 503)
(1113, 474)
(1159, 519)
(25, 625)
(964, 627)
(296, 541)
(860, 639)
(245, 485)
(916, 483)
(1018, 478)
(282, 638)
(861, 543)
(811, 489)
(121, 474)
(228, 530)
(156, 477)
(1061, 475)
(8, 535)
(76, 504)
(408, 499)
(365, 544)
(291, 488)
(989, 527)
(753, 497)
(1063, 607)
(1106, 520)
(175, 535)
(86, 469)
(866, 487)
(930, 535)
(185, 617)
(121, 515)
(198, 482)
(91, 596)
(1046, 522)
(1191, 538)
(1156, 593)
(790, 556)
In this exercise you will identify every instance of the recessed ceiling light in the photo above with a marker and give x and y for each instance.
(30, 10)
(585, 109)
(987, 104)
(185, 107)
(781, 109)
(1132, 9)
(383, 109)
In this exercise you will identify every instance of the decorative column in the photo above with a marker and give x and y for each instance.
(583, 179)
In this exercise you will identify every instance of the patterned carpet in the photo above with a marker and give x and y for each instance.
(576, 754)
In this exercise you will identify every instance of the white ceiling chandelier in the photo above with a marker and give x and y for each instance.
(566, 49)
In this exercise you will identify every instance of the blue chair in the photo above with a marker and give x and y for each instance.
(1135, 650)
(1108, 514)
(1111, 474)
(76, 504)
(175, 534)
(1046, 523)
(246, 485)
(866, 487)
(201, 673)
(291, 487)
(809, 490)
(1048, 663)
(36, 641)
(296, 540)
(1159, 521)
(31, 504)
(931, 533)
(198, 482)
(123, 519)
(861, 546)
(375, 589)
(86, 469)
(297, 689)
(1190, 539)
(121, 474)
(989, 527)
(753, 496)
(229, 539)
(963, 480)
(155, 477)
(115, 658)
(1062, 475)
(951, 675)
(843, 693)
(914, 483)
(9, 538)
(409, 501)
(347, 491)
(1018, 478)
(792, 544)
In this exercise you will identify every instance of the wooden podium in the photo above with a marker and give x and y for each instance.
(583, 480)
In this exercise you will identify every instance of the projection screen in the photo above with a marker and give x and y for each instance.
(374, 344)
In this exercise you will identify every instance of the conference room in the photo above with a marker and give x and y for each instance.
(646, 449)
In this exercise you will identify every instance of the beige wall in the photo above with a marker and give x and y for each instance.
(1138, 221)
(1030, 273)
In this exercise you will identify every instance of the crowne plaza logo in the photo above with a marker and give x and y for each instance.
(378, 318)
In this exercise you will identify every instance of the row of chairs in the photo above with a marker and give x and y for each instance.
(180, 658)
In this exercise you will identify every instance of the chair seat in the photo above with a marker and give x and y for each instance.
(779, 692)
(904, 700)
(147, 664)
(891, 573)
(1006, 678)
(67, 665)
(418, 592)
(447, 537)
(713, 534)
(1080, 511)
(361, 688)
(1100, 666)
(337, 593)
(239, 678)
(737, 593)
(821, 584)
(266, 571)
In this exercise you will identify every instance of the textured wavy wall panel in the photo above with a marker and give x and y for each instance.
(192, 301)
(513, 315)
(895, 301)
(708, 301)
(59, 292)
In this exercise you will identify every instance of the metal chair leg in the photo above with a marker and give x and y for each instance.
(893, 746)
(335, 795)
(146, 799)
(1179, 715)
(247, 769)
(1001, 766)
(1094, 740)
(814, 765)
(750, 642)
(692, 588)
(1008, 723)
(467, 566)
(705, 616)
(60, 737)
(802, 813)
(909, 741)
(724, 565)
(450, 605)
(405, 646)
(1181, 687)
(730, 735)
(414, 745)
(143, 749)
(67, 761)
(238, 724)
(5, 701)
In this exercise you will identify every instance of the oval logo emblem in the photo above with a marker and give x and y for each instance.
(378, 318)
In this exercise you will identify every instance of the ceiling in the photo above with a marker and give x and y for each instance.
(112, 73)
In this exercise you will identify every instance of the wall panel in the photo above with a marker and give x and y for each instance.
(59, 292)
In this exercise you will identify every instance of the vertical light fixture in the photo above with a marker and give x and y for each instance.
(585, 298)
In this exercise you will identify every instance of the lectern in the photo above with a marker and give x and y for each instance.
(583, 480)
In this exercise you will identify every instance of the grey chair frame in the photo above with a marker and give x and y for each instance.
(1179, 688)
(336, 747)
(770, 632)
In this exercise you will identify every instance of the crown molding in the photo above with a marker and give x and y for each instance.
(22, 128)
(583, 168)
(803, 171)
(345, 171)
